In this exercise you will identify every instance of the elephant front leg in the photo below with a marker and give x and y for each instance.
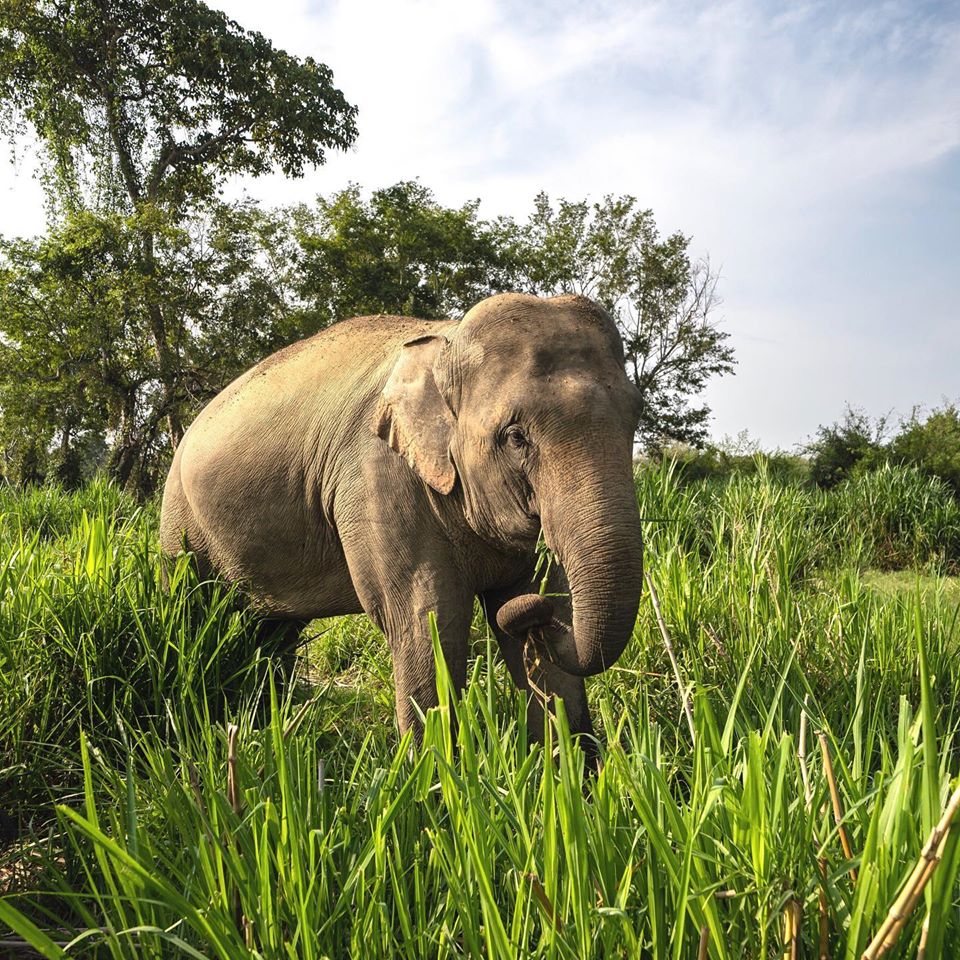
(398, 592)
(407, 628)
(403, 568)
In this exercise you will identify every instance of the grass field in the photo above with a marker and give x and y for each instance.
(166, 790)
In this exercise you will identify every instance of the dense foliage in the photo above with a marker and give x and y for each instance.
(79, 377)
(931, 444)
(856, 444)
(83, 373)
(159, 100)
(143, 109)
(397, 252)
(115, 700)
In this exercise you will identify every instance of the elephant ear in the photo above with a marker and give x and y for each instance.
(413, 417)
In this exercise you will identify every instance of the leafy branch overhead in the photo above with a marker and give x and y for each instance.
(664, 301)
(169, 94)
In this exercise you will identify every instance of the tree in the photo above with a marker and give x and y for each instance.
(662, 300)
(849, 446)
(933, 444)
(77, 368)
(243, 300)
(71, 357)
(400, 252)
(144, 107)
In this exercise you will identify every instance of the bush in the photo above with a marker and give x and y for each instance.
(932, 446)
(852, 445)
(729, 459)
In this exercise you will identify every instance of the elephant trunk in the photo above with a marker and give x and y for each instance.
(593, 525)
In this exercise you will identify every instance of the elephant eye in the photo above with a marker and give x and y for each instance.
(515, 438)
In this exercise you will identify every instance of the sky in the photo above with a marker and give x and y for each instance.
(812, 151)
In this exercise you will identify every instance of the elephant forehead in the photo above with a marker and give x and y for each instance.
(565, 394)
(544, 322)
(518, 360)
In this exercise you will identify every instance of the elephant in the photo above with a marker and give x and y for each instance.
(398, 466)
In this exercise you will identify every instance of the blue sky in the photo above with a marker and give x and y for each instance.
(811, 149)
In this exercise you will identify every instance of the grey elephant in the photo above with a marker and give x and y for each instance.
(400, 466)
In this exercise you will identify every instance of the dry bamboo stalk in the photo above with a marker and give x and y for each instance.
(916, 888)
(923, 881)
(835, 800)
(924, 934)
(788, 931)
(704, 941)
(712, 634)
(903, 906)
(673, 660)
(913, 889)
(531, 666)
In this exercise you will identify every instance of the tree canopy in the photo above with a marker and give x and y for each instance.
(398, 252)
(144, 107)
(77, 362)
(149, 293)
(159, 100)
(663, 300)
(237, 281)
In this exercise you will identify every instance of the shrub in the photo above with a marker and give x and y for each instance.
(726, 459)
(932, 445)
(851, 445)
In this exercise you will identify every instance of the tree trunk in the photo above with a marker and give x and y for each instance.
(126, 445)
(166, 357)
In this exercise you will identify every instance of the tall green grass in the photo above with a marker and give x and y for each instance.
(339, 840)
(88, 634)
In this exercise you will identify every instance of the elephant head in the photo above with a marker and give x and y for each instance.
(525, 411)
